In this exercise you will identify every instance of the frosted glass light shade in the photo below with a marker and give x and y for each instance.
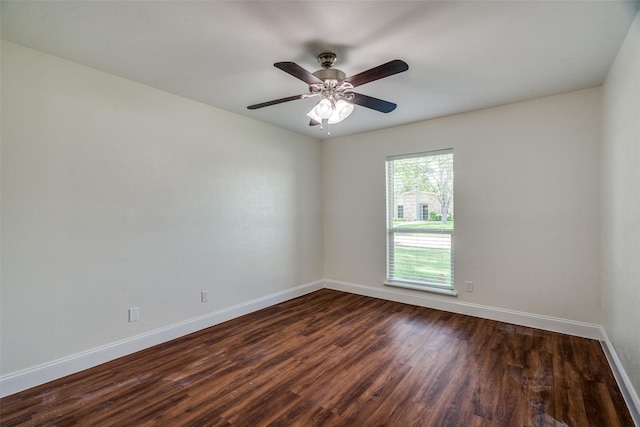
(341, 111)
(323, 109)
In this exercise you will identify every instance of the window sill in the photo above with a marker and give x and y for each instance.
(423, 288)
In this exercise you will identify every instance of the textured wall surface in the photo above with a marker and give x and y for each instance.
(116, 195)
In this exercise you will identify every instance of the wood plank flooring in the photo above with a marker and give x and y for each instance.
(337, 359)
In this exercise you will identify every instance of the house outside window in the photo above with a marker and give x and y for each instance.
(424, 211)
(420, 221)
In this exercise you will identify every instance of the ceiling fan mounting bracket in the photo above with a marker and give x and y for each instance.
(327, 59)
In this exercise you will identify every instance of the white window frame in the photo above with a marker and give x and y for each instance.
(438, 288)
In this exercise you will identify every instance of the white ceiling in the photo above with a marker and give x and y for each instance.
(462, 55)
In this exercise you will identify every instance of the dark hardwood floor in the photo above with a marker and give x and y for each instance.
(336, 359)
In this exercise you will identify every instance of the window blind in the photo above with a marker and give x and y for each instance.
(420, 220)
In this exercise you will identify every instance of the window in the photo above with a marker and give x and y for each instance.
(425, 212)
(420, 221)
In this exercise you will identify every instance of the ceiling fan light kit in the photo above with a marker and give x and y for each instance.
(335, 89)
(331, 113)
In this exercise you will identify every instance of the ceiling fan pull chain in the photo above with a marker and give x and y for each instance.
(323, 123)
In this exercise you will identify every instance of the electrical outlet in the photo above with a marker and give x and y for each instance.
(469, 286)
(134, 314)
(204, 296)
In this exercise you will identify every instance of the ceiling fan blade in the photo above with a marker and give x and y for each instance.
(298, 72)
(385, 70)
(373, 103)
(313, 123)
(275, 101)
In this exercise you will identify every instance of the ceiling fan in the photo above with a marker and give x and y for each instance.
(335, 89)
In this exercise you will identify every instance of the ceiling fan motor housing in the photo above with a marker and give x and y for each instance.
(327, 59)
(330, 74)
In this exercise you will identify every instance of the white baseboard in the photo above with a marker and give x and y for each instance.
(31, 377)
(623, 380)
(570, 327)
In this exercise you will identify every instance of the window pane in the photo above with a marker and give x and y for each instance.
(422, 258)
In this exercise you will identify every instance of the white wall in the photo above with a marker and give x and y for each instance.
(116, 195)
(621, 205)
(527, 203)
